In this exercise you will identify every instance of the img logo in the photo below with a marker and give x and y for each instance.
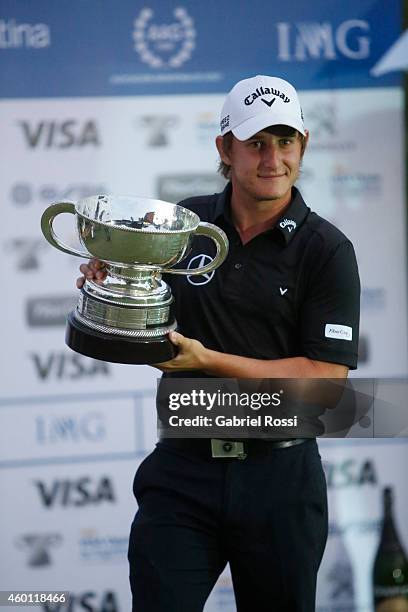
(164, 45)
(70, 428)
(311, 40)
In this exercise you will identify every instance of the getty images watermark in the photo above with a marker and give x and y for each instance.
(217, 400)
(224, 407)
(282, 408)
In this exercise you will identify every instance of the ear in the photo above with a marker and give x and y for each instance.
(219, 143)
(305, 142)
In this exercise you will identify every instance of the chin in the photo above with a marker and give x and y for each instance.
(265, 194)
(273, 191)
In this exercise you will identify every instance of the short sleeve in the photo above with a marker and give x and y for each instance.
(330, 309)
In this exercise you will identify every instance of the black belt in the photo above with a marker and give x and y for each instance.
(228, 449)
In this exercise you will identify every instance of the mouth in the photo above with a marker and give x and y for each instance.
(271, 177)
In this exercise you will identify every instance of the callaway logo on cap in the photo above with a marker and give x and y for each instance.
(257, 103)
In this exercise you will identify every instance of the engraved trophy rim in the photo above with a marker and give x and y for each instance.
(192, 217)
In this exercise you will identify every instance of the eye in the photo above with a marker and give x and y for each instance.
(256, 144)
(286, 142)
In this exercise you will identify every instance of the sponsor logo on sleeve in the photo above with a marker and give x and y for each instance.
(339, 332)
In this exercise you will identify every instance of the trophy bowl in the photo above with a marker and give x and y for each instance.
(126, 318)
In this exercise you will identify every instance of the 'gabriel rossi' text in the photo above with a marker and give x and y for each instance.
(208, 401)
(262, 420)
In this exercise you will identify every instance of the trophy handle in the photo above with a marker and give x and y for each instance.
(221, 241)
(47, 220)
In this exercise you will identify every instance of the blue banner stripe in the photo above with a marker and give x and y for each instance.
(162, 47)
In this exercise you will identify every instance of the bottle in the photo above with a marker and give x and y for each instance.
(390, 572)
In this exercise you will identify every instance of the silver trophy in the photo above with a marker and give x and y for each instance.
(126, 317)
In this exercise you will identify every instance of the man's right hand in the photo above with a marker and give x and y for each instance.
(93, 270)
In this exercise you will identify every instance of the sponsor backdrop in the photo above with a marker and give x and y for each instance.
(96, 100)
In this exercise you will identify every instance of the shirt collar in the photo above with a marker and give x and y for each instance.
(222, 205)
(287, 225)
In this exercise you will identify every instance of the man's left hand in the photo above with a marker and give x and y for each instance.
(192, 355)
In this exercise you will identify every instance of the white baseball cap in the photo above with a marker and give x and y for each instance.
(257, 103)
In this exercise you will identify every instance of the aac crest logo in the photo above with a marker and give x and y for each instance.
(163, 45)
(199, 261)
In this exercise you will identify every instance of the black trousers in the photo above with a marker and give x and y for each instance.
(265, 515)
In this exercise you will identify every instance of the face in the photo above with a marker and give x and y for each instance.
(265, 166)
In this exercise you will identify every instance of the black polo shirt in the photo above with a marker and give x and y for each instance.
(291, 291)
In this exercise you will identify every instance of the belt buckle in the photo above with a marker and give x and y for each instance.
(227, 449)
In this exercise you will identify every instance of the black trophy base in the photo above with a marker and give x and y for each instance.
(109, 347)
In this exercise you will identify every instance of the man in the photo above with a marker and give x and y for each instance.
(285, 303)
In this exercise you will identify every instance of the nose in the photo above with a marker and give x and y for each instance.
(271, 157)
